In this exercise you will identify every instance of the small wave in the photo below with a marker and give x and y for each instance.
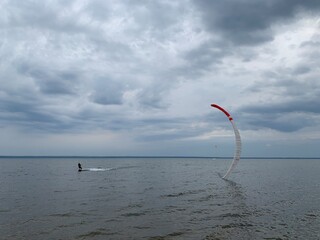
(96, 233)
(311, 215)
(190, 192)
(4, 210)
(169, 236)
(236, 225)
(68, 214)
(134, 214)
(233, 215)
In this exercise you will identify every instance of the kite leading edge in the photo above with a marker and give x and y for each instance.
(237, 151)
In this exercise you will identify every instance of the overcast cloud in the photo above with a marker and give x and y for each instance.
(138, 77)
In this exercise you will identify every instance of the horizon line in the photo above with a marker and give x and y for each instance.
(144, 156)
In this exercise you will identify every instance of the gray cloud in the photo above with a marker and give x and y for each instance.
(168, 129)
(249, 22)
(302, 69)
(156, 15)
(294, 106)
(279, 123)
(41, 16)
(205, 57)
(107, 91)
(152, 97)
(51, 81)
(30, 116)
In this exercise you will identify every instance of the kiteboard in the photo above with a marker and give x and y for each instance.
(94, 169)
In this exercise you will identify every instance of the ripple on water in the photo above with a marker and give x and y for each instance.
(68, 214)
(190, 192)
(95, 233)
(168, 236)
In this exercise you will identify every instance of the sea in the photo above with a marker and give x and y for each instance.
(158, 198)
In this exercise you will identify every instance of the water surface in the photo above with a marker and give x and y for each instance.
(159, 198)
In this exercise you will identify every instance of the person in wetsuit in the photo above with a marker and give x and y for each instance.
(79, 167)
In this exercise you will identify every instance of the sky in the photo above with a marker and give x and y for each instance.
(137, 78)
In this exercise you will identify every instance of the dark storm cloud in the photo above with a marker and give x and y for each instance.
(248, 22)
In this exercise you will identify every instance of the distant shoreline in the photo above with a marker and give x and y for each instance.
(210, 157)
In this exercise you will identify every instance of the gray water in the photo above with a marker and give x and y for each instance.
(159, 198)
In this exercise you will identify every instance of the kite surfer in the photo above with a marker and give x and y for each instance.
(79, 167)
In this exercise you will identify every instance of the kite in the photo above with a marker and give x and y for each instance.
(237, 151)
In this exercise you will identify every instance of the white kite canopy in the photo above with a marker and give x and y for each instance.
(237, 151)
